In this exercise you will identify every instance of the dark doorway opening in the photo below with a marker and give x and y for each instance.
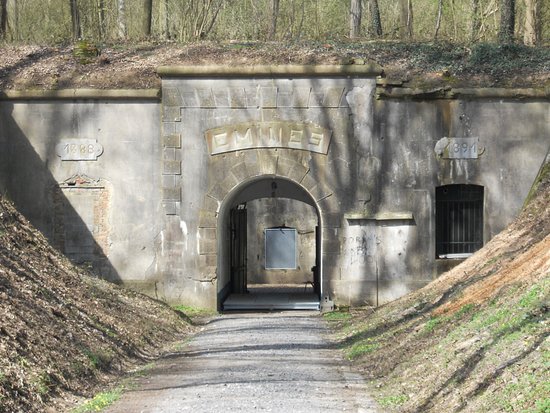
(274, 249)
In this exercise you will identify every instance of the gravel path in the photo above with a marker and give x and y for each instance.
(277, 362)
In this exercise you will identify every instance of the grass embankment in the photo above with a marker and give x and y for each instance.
(475, 339)
(64, 333)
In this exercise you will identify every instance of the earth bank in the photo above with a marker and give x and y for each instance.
(474, 340)
(63, 333)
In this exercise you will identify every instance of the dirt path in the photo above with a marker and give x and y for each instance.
(278, 362)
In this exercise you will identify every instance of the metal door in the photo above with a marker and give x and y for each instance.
(317, 268)
(238, 249)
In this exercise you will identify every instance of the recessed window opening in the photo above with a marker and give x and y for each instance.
(459, 220)
(280, 248)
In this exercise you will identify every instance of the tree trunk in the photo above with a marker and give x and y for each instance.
(147, 18)
(507, 21)
(3, 18)
(406, 26)
(75, 20)
(355, 19)
(101, 18)
(273, 21)
(438, 19)
(15, 28)
(475, 20)
(164, 20)
(533, 24)
(121, 19)
(375, 18)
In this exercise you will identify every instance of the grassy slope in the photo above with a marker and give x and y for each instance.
(63, 332)
(474, 340)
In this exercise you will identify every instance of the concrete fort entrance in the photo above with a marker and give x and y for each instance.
(273, 148)
(368, 198)
(323, 184)
(269, 242)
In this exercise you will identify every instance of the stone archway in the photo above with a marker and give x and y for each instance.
(270, 187)
(229, 130)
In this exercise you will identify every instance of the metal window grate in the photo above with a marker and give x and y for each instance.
(459, 220)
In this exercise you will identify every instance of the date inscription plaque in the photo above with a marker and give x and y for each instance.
(79, 150)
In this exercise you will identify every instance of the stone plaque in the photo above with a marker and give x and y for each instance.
(458, 148)
(79, 150)
(248, 135)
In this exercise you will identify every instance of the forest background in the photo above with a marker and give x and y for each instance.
(50, 22)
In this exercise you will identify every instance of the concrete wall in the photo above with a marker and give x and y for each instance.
(103, 212)
(147, 202)
(401, 170)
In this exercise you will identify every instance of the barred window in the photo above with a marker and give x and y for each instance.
(459, 220)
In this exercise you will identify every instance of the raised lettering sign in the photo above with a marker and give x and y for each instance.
(461, 148)
(248, 135)
(78, 150)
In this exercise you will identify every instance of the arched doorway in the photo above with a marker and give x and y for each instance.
(269, 247)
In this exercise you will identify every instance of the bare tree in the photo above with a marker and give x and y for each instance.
(438, 19)
(533, 24)
(355, 13)
(376, 23)
(102, 29)
(75, 20)
(507, 21)
(406, 19)
(15, 15)
(121, 19)
(475, 22)
(198, 18)
(147, 17)
(164, 19)
(273, 20)
(3, 18)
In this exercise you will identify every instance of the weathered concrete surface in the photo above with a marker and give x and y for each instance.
(100, 210)
(148, 202)
(241, 363)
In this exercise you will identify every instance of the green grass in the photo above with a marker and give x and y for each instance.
(100, 401)
(534, 390)
(362, 347)
(104, 399)
(194, 311)
(337, 315)
(393, 401)
(501, 320)
(543, 406)
(465, 309)
(433, 322)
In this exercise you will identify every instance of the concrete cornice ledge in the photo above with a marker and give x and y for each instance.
(463, 93)
(72, 94)
(369, 70)
(500, 93)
